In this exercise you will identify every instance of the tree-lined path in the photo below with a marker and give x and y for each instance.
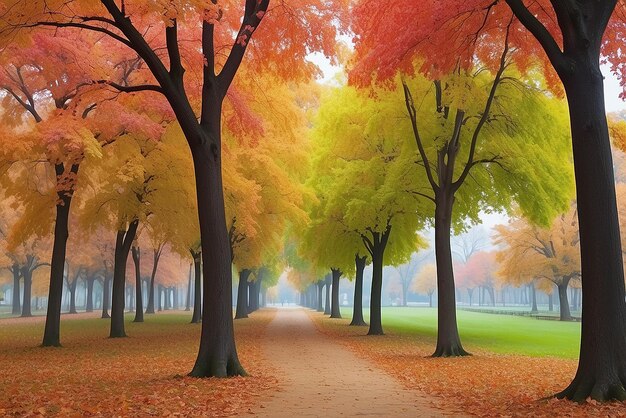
(320, 378)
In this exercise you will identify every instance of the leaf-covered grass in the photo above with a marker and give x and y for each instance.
(497, 333)
(142, 375)
(486, 384)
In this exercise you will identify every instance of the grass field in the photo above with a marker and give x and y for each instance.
(497, 333)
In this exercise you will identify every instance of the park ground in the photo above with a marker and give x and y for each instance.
(296, 368)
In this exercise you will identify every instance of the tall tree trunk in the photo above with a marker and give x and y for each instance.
(106, 296)
(242, 295)
(188, 302)
(564, 312)
(448, 340)
(492, 295)
(335, 311)
(159, 298)
(550, 303)
(156, 256)
(327, 283)
(217, 355)
(175, 298)
(27, 273)
(533, 295)
(17, 309)
(122, 248)
(136, 253)
(264, 297)
(196, 318)
(405, 290)
(601, 370)
(376, 247)
(89, 302)
(357, 309)
(72, 288)
(168, 303)
(602, 363)
(51, 335)
(470, 292)
(320, 296)
(376, 325)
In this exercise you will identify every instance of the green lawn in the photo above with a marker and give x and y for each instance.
(497, 333)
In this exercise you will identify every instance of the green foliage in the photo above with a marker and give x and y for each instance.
(359, 158)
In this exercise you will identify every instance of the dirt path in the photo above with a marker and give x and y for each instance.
(321, 378)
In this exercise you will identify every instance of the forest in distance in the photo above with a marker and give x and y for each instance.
(409, 172)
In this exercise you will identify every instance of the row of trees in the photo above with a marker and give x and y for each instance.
(471, 76)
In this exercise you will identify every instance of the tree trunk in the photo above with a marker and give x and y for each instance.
(106, 296)
(168, 302)
(122, 248)
(602, 363)
(357, 309)
(533, 295)
(470, 292)
(28, 285)
(430, 300)
(175, 298)
(448, 340)
(550, 303)
(376, 324)
(196, 318)
(405, 290)
(327, 283)
(89, 302)
(136, 253)
(51, 335)
(159, 298)
(217, 355)
(564, 312)
(155, 263)
(263, 298)
(72, 287)
(188, 302)
(492, 295)
(335, 308)
(17, 309)
(242, 295)
(320, 296)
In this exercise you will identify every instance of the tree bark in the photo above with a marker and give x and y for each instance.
(327, 283)
(17, 309)
(72, 286)
(533, 294)
(335, 311)
(156, 256)
(357, 309)
(320, 296)
(564, 312)
(51, 336)
(122, 248)
(601, 372)
(89, 302)
(136, 253)
(448, 340)
(27, 273)
(242, 295)
(376, 247)
(106, 296)
(196, 318)
(602, 363)
(188, 302)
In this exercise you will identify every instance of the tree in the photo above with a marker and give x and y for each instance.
(547, 253)
(217, 354)
(426, 282)
(567, 39)
(359, 179)
(406, 272)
